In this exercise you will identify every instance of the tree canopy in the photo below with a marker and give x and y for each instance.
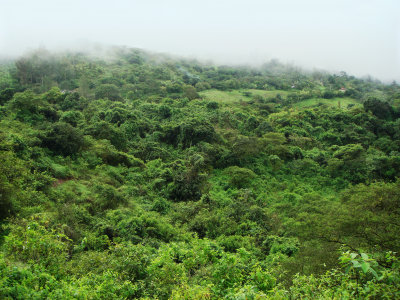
(142, 176)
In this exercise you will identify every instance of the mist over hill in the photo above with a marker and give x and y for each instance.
(360, 37)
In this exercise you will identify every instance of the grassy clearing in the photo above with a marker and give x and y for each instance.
(238, 95)
(268, 94)
(344, 102)
(224, 96)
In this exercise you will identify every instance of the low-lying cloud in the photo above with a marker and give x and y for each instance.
(359, 37)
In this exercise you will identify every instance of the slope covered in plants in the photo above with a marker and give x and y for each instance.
(145, 176)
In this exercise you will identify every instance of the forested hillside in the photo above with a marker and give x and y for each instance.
(144, 176)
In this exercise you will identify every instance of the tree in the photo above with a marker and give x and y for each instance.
(27, 106)
(6, 95)
(349, 162)
(240, 177)
(105, 130)
(72, 117)
(63, 139)
(190, 92)
(379, 108)
(108, 91)
(11, 175)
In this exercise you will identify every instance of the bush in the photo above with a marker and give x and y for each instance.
(240, 177)
(63, 139)
(72, 117)
(35, 242)
(6, 95)
(108, 91)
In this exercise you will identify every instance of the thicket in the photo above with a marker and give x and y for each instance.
(119, 179)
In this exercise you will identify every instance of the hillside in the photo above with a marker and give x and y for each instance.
(139, 175)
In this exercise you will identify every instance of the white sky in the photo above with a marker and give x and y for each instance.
(358, 36)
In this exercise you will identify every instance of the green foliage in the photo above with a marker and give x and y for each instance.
(26, 106)
(110, 155)
(190, 93)
(359, 281)
(370, 212)
(188, 182)
(103, 130)
(287, 246)
(379, 108)
(240, 177)
(108, 91)
(72, 101)
(193, 131)
(34, 242)
(20, 283)
(63, 139)
(73, 118)
(11, 175)
(146, 177)
(6, 95)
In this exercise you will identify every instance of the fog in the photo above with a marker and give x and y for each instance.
(361, 37)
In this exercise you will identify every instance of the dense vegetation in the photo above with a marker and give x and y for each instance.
(143, 176)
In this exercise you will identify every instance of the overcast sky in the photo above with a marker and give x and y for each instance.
(358, 36)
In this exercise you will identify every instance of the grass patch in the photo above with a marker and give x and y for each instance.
(268, 94)
(238, 95)
(235, 96)
(224, 96)
(334, 102)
